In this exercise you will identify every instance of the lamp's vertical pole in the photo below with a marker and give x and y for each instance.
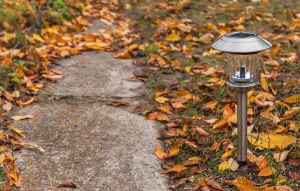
(242, 124)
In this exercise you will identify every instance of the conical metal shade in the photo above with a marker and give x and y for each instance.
(241, 42)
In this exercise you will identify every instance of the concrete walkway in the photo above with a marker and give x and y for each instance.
(87, 142)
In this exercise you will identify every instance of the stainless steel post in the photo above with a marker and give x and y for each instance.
(242, 124)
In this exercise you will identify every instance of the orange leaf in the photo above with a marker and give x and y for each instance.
(268, 171)
(173, 37)
(165, 109)
(161, 99)
(172, 152)
(272, 63)
(160, 153)
(264, 83)
(213, 79)
(123, 55)
(178, 105)
(162, 117)
(177, 168)
(243, 183)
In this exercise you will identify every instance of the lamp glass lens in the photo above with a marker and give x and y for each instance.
(241, 68)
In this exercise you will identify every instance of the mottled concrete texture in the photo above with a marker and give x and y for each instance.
(95, 147)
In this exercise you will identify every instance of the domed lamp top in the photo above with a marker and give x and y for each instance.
(241, 42)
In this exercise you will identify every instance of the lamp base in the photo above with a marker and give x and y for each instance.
(242, 163)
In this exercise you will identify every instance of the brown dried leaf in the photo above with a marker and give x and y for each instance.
(67, 184)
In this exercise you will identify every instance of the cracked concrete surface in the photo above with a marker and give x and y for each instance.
(95, 146)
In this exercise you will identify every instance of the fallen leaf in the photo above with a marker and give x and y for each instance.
(226, 154)
(67, 184)
(291, 112)
(264, 83)
(31, 145)
(178, 105)
(160, 153)
(161, 99)
(223, 166)
(17, 118)
(270, 140)
(173, 37)
(279, 188)
(162, 117)
(19, 182)
(179, 183)
(293, 99)
(17, 131)
(279, 157)
(165, 109)
(213, 79)
(116, 103)
(172, 152)
(272, 63)
(202, 131)
(233, 165)
(212, 183)
(123, 55)
(177, 168)
(268, 171)
(243, 184)
(7, 106)
(294, 175)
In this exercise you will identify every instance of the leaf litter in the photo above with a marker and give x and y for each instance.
(199, 109)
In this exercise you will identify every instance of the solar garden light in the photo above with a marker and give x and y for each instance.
(241, 50)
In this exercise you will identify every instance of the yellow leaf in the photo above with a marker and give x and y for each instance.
(272, 63)
(13, 173)
(199, 117)
(282, 104)
(293, 99)
(268, 171)
(165, 109)
(38, 38)
(223, 166)
(244, 184)
(213, 79)
(17, 131)
(173, 37)
(270, 140)
(187, 69)
(161, 99)
(4, 157)
(227, 154)
(264, 83)
(20, 74)
(185, 128)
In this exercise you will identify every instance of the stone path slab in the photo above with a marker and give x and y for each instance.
(95, 147)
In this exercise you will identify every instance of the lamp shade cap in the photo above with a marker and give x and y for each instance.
(241, 42)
